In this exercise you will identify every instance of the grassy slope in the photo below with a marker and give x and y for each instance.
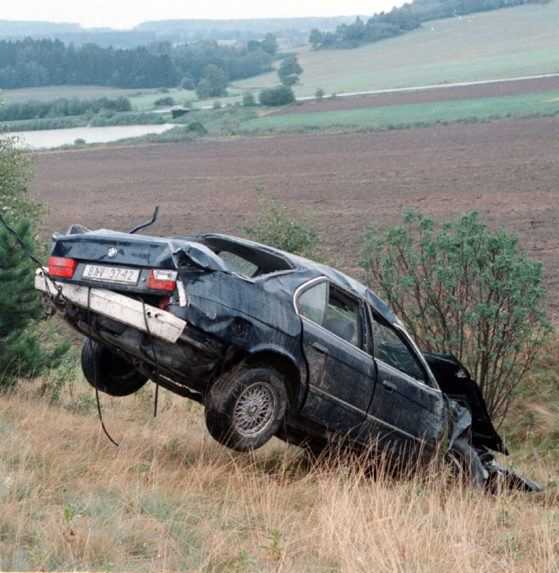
(512, 42)
(397, 116)
(171, 499)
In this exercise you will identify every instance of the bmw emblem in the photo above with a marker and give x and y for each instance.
(112, 253)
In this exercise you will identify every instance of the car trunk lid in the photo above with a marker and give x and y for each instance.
(126, 262)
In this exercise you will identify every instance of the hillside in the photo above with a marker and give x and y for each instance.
(256, 26)
(291, 29)
(506, 43)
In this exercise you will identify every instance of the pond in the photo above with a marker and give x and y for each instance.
(51, 138)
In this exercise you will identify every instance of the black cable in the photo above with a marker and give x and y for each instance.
(99, 411)
(155, 358)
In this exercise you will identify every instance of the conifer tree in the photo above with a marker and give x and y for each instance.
(21, 354)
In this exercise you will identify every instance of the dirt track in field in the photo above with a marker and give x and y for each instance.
(495, 89)
(508, 170)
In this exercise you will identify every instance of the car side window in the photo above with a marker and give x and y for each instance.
(334, 310)
(312, 303)
(391, 349)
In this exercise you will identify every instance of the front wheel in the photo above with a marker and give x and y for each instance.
(246, 407)
(108, 371)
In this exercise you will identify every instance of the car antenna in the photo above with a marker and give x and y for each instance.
(147, 223)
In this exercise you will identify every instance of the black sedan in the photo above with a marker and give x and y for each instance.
(270, 343)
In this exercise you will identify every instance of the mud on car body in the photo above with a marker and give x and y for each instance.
(270, 343)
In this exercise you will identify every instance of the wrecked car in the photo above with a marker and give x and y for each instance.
(271, 344)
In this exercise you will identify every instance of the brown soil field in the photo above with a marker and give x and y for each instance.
(494, 89)
(507, 170)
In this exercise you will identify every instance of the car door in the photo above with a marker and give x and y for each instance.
(341, 373)
(407, 407)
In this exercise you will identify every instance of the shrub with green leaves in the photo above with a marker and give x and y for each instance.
(462, 288)
(21, 354)
(249, 100)
(14, 177)
(273, 97)
(277, 228)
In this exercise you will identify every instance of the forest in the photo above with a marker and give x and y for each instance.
(401, 20)
(46, 62)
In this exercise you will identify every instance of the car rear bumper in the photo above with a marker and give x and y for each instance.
(124, 309)
(155, 340)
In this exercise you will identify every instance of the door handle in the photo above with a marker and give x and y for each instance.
(320, 347)
(390, 386)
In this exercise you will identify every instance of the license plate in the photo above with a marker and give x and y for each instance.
(111, 274)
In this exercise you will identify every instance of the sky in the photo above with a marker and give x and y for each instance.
(127, 13)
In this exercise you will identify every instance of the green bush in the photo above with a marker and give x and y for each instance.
(21, 354)
(62, 107)
(277, 228)
(197, 127)
(45, 123)
(464, 289)
(289, 70)
(134, 118)
(249, 100)
(213, 83)
(187, 83)
(167, 101)
(280, 95)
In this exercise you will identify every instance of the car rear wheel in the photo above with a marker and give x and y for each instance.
(246, 407)
(109, 371)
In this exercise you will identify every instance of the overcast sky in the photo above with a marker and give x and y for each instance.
(127, 13)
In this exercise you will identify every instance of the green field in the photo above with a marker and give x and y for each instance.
(501, 44)
(505, 43)
(50, 93)
(398, 116)
(141, 99)
(519, 41)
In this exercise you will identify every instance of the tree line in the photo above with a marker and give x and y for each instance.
(43, 62)
(401, 20)
(62, 107)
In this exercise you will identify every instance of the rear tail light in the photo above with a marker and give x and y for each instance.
(162, 280)
(61, 267)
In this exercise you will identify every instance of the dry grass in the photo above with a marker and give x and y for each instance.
(171, 499)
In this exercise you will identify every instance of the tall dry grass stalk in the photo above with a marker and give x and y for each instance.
(170, 499)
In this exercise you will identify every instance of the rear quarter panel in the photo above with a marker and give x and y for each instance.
(253, 316)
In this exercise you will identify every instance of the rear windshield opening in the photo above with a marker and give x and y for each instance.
(246, 260)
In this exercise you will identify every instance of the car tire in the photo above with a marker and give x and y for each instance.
(246, 407)
(108, 371)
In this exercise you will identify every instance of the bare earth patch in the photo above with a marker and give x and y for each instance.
(507, 170)
(494, 89)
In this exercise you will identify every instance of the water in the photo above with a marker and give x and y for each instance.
(51, 138)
